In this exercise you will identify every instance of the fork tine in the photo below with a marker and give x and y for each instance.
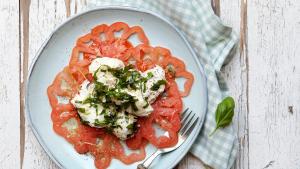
(183, 113)
(190, 128)
(185, 117)
(184, 127)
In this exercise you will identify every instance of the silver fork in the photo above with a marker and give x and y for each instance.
(188, 121)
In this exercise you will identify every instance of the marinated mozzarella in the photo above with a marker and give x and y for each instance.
(117, 95)
(142, 105)
(106, 61)
(158, 74)
(99, 68)
(91, 114)
(125, 125)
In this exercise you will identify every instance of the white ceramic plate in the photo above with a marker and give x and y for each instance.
(54, 55)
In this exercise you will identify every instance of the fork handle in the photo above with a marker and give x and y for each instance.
(149, 160)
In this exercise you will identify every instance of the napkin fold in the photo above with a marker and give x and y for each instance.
(214, 44)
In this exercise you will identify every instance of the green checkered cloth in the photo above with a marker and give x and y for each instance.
(214, 44)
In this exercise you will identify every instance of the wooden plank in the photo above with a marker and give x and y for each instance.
(236, 75)
(274, 121)
(9, 84)
(191, 162)
(242, 160)
(43, 17)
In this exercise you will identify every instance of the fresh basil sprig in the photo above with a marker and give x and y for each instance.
(224, 113)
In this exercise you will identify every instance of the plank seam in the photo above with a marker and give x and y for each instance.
(216, 7)
(20, 87)
(24, 42)
(68, 7)
(244, 57)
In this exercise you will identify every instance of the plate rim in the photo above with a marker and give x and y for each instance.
(112, 7)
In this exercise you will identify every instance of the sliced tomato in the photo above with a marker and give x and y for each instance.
(102, 145)
(102, 160)
(115, 49)
(116, 27)
(98, 30)
(136, 30)
(82, 41)
(162, 55)
(145, 56)
(188, 83)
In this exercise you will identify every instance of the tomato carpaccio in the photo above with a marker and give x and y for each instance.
(101, 41)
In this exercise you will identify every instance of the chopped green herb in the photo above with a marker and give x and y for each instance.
(118, 126)
(146, 105)
(95, 74)
(103, 111)
(127, 118)
(157, 85)
(77, 101)
(99, 123)
(82, 110)
(96, 107)
(130, 126)
(149, 75)
(171, 70)
(134, 107)
(133, 127)
(144, 87)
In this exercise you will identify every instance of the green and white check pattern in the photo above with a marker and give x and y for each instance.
(214, 44)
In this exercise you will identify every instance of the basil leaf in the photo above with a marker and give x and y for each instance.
(224, 113)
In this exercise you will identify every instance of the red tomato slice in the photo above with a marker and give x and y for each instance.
(115, 27)
(136, 30)
(96, 32)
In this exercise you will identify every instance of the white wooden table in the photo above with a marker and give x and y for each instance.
(264, 79)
